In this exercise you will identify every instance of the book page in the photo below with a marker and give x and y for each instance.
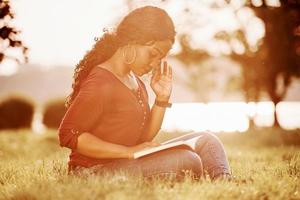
(192, 142)
(180, 138)
(189, 142)
(155, 149)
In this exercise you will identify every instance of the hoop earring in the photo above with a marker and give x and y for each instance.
(125, 56)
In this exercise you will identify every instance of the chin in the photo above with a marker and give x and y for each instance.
(140, 72)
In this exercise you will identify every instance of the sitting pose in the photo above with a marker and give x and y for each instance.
(108, 116)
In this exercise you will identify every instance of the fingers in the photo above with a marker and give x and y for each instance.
(164, 79)
(156, 71)
(155, 75)
(152, 144)
(167, 69)
(170, 72)
(166, 74)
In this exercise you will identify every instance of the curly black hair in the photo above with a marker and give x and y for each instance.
(141, 25)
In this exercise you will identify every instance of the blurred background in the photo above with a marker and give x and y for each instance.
(236, 62)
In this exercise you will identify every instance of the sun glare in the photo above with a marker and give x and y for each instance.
(229, 116)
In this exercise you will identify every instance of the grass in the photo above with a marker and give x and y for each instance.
(265, 163)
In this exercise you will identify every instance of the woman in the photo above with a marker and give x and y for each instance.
(108, 116)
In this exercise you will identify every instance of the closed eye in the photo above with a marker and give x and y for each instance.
(157, 52)
(154, 53)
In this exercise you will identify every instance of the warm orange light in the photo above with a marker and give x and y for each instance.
(229, 116)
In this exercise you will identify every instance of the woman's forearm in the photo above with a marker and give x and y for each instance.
(156, 119)
(92, 146)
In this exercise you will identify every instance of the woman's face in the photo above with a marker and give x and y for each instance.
(149, 56)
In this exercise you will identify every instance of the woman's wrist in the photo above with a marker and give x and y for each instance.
(163, 102)
(162, 98)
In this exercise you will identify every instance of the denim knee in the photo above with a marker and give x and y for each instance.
(189, 161)
(208, 137)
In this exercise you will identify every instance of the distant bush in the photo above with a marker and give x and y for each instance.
(53, 113)
(16, 112)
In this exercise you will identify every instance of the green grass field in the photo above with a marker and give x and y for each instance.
(265, 163)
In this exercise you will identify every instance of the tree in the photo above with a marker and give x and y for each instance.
(252, 65)
(271, 67)
(280, 44)
(9, 34)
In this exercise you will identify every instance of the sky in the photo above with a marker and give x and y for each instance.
(61, 33)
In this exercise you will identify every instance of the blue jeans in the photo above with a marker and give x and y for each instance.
(209, 156)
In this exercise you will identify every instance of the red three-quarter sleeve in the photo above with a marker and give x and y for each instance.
(84, 111)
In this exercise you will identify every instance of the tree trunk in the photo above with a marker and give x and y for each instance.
(276, 122)
(251, 123)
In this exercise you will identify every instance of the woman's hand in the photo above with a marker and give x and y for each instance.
(161, 83)
(142, 146)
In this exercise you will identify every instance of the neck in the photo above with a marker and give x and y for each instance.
(116, 65)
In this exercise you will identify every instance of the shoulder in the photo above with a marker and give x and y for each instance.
(97, 81)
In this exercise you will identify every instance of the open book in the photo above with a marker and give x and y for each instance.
(168, 144)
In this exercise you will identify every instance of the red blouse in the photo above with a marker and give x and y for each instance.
(108, 109)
